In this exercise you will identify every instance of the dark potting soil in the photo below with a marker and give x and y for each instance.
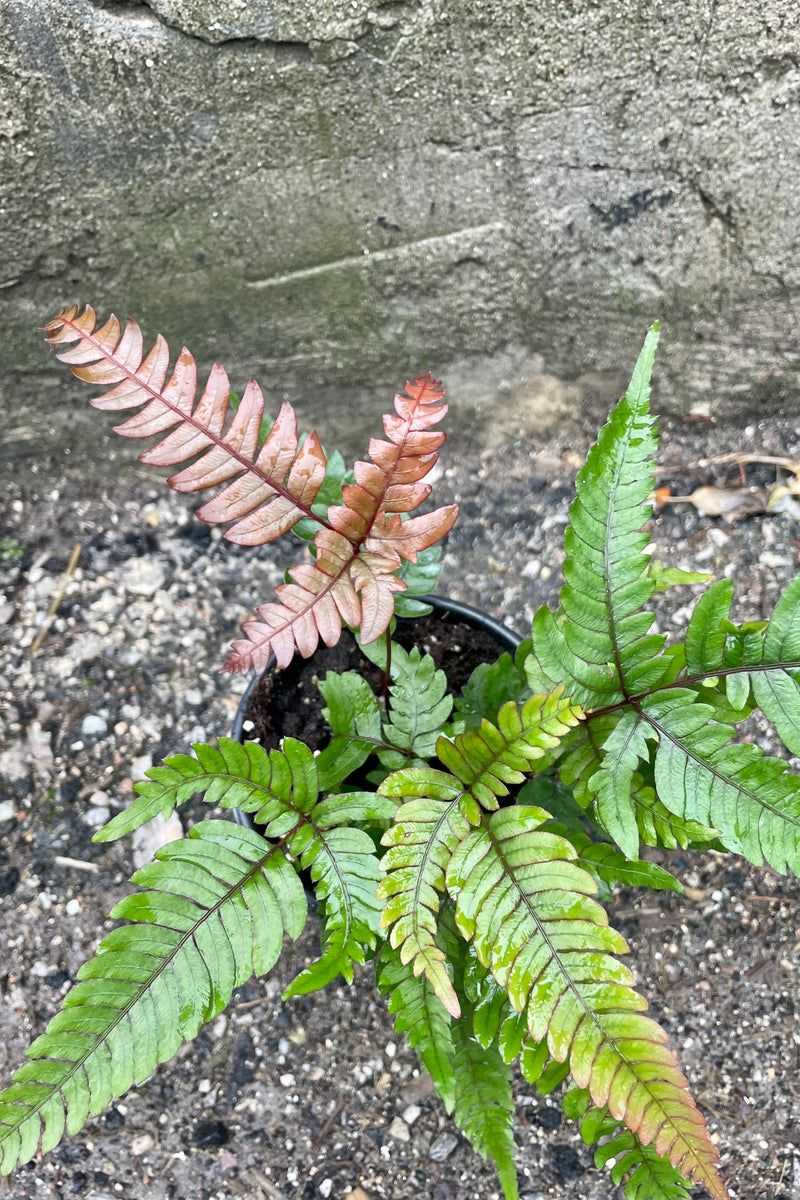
(289, 704)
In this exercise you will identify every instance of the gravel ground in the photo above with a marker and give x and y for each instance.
(318, 1098)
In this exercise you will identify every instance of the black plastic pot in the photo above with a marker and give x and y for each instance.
(507, 639)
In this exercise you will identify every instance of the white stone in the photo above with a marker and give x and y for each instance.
(143, 576)
(399, 1130)
(194, 697)
(7, 810)
(96, 816)
(326, 1187)
(411, 1114)
(72, 908)
(93, 726)
(141, 1144)
(139, 765)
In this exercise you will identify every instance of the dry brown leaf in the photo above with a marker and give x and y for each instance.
(732, 504)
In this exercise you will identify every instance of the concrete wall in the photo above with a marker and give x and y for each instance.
(333, 194)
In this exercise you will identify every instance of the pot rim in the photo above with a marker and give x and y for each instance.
(508, 638)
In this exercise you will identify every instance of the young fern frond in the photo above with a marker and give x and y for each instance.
(421, 841)
(642, 1173)
(214, 913)
(427, 829)
(597, 644)
(359, 545)
(418, 709)
(530, 912)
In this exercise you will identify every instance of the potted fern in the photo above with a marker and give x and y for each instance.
(457, 843)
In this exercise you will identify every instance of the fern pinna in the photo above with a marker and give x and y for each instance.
(466, 845)
(360, 543)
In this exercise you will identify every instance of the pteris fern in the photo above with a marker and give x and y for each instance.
(465, 844)
(359, 544)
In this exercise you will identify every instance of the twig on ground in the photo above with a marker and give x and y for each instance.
(76, 864)
(58, 596)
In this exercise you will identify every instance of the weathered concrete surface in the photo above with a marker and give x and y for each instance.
(332, 194)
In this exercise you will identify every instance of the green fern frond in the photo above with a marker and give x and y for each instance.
(420, 578)
(700, 774)
(640, 1170)
(777, 690)
(597, 644)
(281, 789)
(610, 865)
(421, 1016)
(419, 708)
(665, 577)
(484, 1104)
(530, 912)
(483, 1100)
(215, 912)
(428, 827)
(707, 629)
(582, 755)
(660, 827)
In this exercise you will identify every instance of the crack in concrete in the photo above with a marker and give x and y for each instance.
(140, 9)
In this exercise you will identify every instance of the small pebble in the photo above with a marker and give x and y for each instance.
(411, 1113)
(193, 696)
(7, 810)
(143, 576)
(72, 908)
(442, 1147)
(326, 1187)
(96, 816)
(141, 1144)
(399, 1130)
(93, 726)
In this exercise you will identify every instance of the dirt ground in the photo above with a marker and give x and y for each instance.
(299, 1101)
